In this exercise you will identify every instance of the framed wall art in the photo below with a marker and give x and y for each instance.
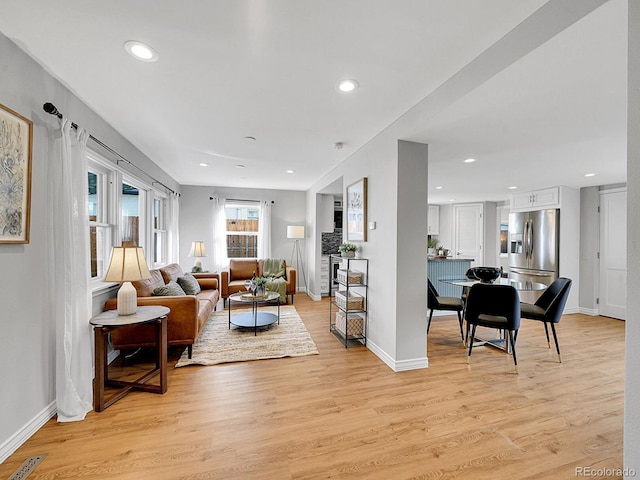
(357, 211)
(16, 139)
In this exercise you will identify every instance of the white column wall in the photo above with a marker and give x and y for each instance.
(632, 363)
(411, 296)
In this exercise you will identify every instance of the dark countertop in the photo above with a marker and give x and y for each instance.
(434, 259)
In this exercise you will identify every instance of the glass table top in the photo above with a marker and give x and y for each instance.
(523, 286)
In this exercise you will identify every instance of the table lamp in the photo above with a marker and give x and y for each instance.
(198, 251)
(127, 264)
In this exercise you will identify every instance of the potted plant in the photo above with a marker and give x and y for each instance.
(432, 246)
(260, 283)
(348, 250)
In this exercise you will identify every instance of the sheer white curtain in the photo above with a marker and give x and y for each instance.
(68, 272)
(220, 260)
(264, 230)
(172, 228)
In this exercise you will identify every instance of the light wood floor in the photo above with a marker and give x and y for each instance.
(344, 414)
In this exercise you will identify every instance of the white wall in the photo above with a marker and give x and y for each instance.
(27, 335)
(589, 246)
(382, 161)
(196, 220)
(632, 379)
(491, 229)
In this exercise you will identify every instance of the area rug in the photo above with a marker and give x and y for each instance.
(217, 344)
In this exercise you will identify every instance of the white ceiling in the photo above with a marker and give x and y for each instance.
(268, 69)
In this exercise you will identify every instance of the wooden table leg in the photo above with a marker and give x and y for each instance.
(100, 336)
(161, 342)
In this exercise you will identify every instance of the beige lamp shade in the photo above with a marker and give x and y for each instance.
(295, 231)
(197, 250)
(127, 265)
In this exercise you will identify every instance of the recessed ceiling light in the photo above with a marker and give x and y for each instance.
(347, 86)
(589, 174)
(239, 166)
(141, 51)
(249, 137)
(291, 171)
(204, 164)
(452, 199)
(470, 160)
(439, 187)
(512, 188)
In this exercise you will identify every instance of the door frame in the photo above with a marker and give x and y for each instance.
(602, 258)
(480, 260)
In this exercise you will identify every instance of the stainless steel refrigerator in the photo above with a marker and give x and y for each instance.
(534, 247)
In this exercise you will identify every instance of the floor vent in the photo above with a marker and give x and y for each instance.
(27, 467)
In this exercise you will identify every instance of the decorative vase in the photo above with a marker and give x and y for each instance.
(348, 254)
(260, 290)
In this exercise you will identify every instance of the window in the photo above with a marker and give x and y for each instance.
(123, 209)
(133, 218)
(159, 231)
(99, 227)
(242, 229)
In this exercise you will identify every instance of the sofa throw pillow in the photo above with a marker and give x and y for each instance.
(171, 289)
(189, 284)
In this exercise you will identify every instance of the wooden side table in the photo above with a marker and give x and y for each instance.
(104, 323)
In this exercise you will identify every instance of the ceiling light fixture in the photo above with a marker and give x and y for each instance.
(249, 137)
(439, 187)
(141, 51)
(589, 174)
(239, 166)
(204, 164)
(338, 145)
(470, 160)
(512, 188)
(452, 199)
(347, 86)
(291, 171)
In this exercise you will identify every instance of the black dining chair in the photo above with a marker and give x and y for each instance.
(549, 307)
(493, 306)
(451, 304)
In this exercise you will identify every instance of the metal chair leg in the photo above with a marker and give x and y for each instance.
(429, 322)
(512, 339)
(555, 337)
(473, 335)
(546, 330)
(460, 322)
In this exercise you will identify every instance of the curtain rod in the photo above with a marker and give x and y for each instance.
(240, 200)
(51, 109)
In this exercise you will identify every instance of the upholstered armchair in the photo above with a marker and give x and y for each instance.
(232, 279)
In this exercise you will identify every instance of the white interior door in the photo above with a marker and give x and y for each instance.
(613, 254)
(468, 232)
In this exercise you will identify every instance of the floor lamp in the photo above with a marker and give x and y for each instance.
(297, 232)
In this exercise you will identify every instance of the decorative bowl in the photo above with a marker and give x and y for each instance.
(486, 274)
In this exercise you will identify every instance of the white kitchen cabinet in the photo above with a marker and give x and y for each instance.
(433, 220)
(325, 277)
(535, 200)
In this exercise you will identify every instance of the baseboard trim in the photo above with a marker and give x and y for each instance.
(314, 297)
(17, 439)
(588, 311)
(569, 311)
(397, 366)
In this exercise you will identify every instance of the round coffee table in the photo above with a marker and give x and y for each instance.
(254, 319)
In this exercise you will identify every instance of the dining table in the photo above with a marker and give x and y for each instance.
(522, 286)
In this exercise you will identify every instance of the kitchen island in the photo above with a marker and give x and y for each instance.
(439, 269)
